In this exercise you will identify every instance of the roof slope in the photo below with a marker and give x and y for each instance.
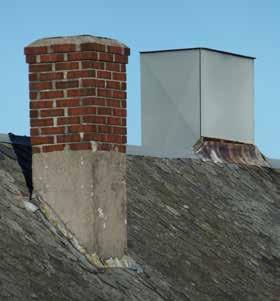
(201, 231)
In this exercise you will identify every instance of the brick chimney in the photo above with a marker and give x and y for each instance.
(78, 133)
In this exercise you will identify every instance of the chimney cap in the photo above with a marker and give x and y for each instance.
(200, 48)
(77, 40)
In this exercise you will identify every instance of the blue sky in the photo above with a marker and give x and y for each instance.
(246, 27)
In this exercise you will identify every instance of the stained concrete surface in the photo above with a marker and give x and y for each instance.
(88, 192)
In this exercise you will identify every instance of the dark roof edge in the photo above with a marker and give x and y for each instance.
(200, 48)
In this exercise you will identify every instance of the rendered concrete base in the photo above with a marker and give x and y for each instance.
(88, 191)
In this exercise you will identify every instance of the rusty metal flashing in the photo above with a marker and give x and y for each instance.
(225, 151)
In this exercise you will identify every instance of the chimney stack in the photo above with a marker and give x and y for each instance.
(78, 133)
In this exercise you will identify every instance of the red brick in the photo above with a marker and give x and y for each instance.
(104, 93)
(95, 119)
(122, 148)
(36, 150)
(81, 92)
(67, 84)
(93, 101)
(92, 65)
(50, 76)
(53, 130)
(119, 76)
(119, 112)
(115, 103)
(104, 129)
(31, 59)
(34, 132)
(114, 121)
(34, 114)
(81, 74)
(42, 140)
(80, 146)
(123, 68)
(123, 103)
(105, 147)
(115, 49)
(81, 128)
(120, 59)
(113, 67)
(63, 47)
(118, 130)
(51, 94)
(40, 67)
(123, 121)
(41, 104)
(82, 111)
(68, 138)
(112, 85)
(33, 76)
(94, 137)
(114, 138)
(41, 122)
(118, 94)
(67, 66)
(33, 95)
(123, 86)
(104, 111)
(104, 74)
(40, 86)
(35, 50)
(53, 148)
(85, 55)
(68, 120)
(106, 57)
(52, 113)
(92, 46)
(93, 83)
(52, 58)
(72, 102)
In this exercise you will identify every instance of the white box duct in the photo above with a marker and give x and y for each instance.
(191, 93)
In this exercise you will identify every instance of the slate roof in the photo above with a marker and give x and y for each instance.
(200, 231)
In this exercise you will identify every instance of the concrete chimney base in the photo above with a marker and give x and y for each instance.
(88, 192)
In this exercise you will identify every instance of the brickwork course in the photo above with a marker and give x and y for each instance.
(77, 93)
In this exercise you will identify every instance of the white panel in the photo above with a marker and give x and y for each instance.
(227, 109)
(170, 99)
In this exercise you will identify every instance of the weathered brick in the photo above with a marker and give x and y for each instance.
(35, 50)
(81, 92)
(52, 58)
(53, 148)
(93, 65)
(41, 122)
(67, 84)
(114, 103)
(113, 85)
(42, 140)
(118, 94)
(80, 146)
(34, 114)
(104, 93)
(33, 77)
(94, 119)
(52, 112)
(53, 130)
(69, 102)
(114, 121)
(80, 74)
(41, 104)
(82, 128)
(123, 59)
(63, 47)
(36, 149)
(81, 111)
(67, 66)
(113, 67)
(34, 132)
(68, 138)
(106, 57)
(40, 67)
(68, 120)
(40, 86)
(93, 101)
(93, 83)
(92, 46)
(50, 76)
(85, 55)
(104, 111)
(119, 112)
(31, 59)
(95, 137)
(51, 94)
(119, 76)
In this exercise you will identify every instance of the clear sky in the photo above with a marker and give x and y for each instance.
(242, 26)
